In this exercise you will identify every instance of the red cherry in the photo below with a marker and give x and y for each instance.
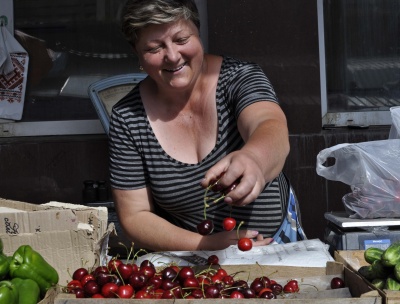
(113, 265)
(87, 278)
(91, 288)
(79, 273)
(109, 290)
(229, 223)
(142, 294)
(245, 244)
(79, 293)
(337, 282)
(205, 227)
(213, 260)
(276, 288)
(291, 286)
(97, 296)
(125, 270)
(73, 285)
(236, 295)
(125, 292)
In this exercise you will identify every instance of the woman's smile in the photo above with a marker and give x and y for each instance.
(176, 69)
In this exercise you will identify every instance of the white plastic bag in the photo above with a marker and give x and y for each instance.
(395, 127)
(372, 169)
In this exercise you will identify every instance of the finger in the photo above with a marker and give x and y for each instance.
(263, 242)
(214, 174)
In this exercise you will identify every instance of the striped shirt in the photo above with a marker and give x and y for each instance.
(137, 159)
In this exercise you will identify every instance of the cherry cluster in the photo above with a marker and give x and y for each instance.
(206, 226)
(132, 281)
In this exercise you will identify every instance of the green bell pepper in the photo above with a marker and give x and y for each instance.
(8, 293)
(4, 266)
(27, 263)
(28, 291)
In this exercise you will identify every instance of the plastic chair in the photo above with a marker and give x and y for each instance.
(105, 93)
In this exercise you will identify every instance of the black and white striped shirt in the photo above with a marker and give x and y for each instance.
(137, 160)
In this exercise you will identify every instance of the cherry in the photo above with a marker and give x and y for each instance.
(100, 269)
(249, 293)
(245, 244)
(231, 187)
(73, 285)
(205, 227)
(191, 282)
(137, 280)
(211, 291)
(337, 282)
(109, 290)
(186, 272)
(276, 288)
(91, 288)
(268, 295)
(97, 296)
(236, 295)
(141, 294)
(125, 270)
(146, 263)
(291, 287)
(79, 273)
(197, 293)
(87, 278)
(113, 265)
(148, 271)
(103, 278)
(79, 293)
(213, 260)
(229, 223)
(228, 280)
(169, 273)
(126, 292)
(155, 281)
(215, 185)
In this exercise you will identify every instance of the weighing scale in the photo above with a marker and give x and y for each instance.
(345, 233)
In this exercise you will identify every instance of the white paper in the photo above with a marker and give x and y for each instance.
(308, 253)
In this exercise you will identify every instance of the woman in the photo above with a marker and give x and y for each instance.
(196, 118)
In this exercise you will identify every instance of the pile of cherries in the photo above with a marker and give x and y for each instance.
(206, 226)
(128, 280)
(131, 281)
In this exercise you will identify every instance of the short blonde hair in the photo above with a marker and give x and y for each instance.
(138, 14)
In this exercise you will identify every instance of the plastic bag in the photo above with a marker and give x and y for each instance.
(372, 170)
(395, 127)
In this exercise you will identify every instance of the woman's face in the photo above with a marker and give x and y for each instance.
(171, 54)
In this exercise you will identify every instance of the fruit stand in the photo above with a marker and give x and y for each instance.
(77, 247)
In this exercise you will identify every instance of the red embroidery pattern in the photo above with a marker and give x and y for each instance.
(11, 84)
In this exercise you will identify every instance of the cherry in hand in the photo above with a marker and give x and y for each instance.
(244, 244)
(205, 227)
(229, 223)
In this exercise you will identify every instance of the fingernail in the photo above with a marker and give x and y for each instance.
(228, 200)
(254, 233)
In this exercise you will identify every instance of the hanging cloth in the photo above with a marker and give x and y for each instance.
(13, 75)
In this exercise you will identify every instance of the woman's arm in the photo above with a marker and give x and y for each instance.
(149, 231)
(263, 127)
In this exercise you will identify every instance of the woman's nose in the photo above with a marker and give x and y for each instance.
(171, 53)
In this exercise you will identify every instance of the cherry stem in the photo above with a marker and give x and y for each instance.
(241, 223)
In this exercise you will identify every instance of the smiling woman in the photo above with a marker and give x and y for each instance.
(197, 118)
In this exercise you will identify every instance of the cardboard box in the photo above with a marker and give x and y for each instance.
(68, 236)
(19, 217)
(354, 259)
(309, 279)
